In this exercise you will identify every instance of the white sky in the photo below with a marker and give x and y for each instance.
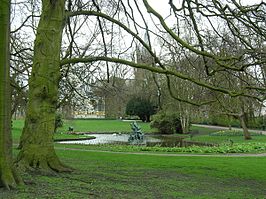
(162, 5)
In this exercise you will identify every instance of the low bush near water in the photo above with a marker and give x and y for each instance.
(167, 123)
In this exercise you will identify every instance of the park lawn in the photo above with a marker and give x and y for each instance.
(197, 130)
(114, 175)
(65, 136)
(18, 126)
(106, 175)
(103, 126)
(227, 139)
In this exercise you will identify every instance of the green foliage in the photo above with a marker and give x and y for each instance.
(167, 123)
(58, 121)
(257, 123)
(143, 108)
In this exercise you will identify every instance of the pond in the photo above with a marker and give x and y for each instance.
(149, 140)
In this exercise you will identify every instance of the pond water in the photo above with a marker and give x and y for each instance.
(149, 140)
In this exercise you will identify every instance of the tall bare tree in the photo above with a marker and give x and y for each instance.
(36, 141)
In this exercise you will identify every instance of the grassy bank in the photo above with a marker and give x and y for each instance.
(105, 175)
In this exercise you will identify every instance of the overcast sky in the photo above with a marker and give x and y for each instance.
(162, 5)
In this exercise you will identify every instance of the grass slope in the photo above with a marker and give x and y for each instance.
(105, 175)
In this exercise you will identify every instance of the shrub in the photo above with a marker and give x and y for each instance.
(167, 123)
(140, 107)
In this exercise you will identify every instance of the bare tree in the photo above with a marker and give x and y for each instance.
(118, 30)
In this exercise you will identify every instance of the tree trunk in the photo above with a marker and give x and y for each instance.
(244, 127)
(185, 123)
(9, 178)
(36, 143)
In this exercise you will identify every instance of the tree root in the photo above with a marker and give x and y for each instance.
(9, 177)
(43, 160)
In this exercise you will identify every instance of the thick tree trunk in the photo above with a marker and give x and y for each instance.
(247, 135)
(9, 178)
(36, 143)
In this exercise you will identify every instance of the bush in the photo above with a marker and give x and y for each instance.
(140, 107)
(167, 123)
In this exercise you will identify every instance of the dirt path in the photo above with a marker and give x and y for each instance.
(226, 128)
(167, 154)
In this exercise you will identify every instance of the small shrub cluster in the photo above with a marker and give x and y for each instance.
(233, 133)
(167, 123)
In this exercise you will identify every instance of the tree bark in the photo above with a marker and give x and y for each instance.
(9, 178)
(247, 135)
(36, 143)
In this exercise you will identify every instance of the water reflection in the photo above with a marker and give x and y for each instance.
(149, 140)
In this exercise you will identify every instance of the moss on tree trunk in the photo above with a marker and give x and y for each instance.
(36, 143)
(9, 178)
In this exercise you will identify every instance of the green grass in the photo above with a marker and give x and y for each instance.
(228, 136)
(202, 130)
(64, 136)
(226, 139)
(105, 175)
(221, 149)
(103, 126)
(94, 126)
(18, 125)
(251, 146)
(108, 175)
